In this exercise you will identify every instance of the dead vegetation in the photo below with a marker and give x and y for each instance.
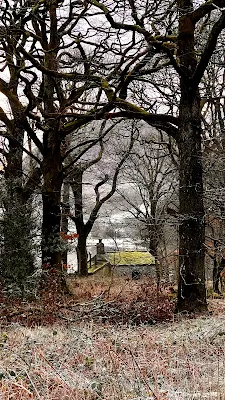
(110, 340)
(119, 301)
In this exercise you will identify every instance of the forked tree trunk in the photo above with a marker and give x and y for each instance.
(52, 160)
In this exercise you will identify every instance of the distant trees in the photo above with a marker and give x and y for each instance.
(213, 113)
(103, 189)
(152, 178)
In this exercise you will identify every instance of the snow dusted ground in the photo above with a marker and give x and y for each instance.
(183, 360)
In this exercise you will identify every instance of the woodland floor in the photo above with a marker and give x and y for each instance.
(110, 340)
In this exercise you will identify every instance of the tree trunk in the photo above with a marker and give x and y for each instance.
(18, 259)
(77, 188)
(218, 267)
(64, 218)
(52, 159)
(191, 287)
(153, 249)
(51, 242)
(82, 255)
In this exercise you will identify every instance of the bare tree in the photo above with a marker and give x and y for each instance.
(104, 189)
(152, 179)
(180, 51)
(213, 112)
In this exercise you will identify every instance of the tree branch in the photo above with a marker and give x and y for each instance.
(33, 181)
(12, 138)
(100, 202)
(205, 9)
(208, 51)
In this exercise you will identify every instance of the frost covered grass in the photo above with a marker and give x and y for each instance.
(184, 360)
(110, 340)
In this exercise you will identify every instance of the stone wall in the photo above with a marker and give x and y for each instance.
(127, 270)
(103, 271)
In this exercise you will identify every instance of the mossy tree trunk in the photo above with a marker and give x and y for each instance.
(51, 241)
(52, 168)
(191, 286)
(18, 256)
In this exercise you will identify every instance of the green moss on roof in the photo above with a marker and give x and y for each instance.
(130, 258)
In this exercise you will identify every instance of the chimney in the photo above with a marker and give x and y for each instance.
(100, 248)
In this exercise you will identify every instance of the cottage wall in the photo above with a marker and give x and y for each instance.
(143, 269)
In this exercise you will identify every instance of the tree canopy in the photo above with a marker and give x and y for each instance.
(66, 64)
